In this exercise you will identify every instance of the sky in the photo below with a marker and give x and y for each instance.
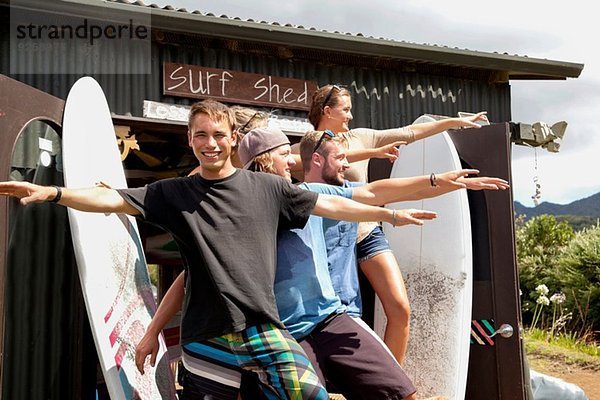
(553, 30)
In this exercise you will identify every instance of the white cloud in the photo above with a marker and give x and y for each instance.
(562, 179)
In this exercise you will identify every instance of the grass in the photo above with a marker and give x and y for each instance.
(565, 348)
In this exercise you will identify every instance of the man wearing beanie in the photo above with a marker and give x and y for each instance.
(355, 362)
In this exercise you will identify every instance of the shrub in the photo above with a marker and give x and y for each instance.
(579, 270)
(540, 241)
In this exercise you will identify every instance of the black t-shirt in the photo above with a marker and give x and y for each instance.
(226, 231)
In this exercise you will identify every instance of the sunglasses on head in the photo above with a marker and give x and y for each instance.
(242, 129)
(330, 93)
(326, 134)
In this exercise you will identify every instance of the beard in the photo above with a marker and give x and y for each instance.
(332, 176)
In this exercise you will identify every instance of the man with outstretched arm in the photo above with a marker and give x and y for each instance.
(324, 162)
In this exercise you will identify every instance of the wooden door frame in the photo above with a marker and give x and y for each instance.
(504, 303)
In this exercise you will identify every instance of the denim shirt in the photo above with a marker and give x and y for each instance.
(340, 239)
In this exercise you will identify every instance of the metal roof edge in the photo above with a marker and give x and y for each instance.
(346, 43)
(519, 67)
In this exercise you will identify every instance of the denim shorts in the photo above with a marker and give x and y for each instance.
(375, 243)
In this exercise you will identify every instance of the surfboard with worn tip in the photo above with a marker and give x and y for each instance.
(436, 263)
(110, 258)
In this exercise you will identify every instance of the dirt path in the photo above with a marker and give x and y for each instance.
(587, 379)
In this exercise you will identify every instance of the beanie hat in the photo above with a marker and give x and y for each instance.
(259, 141)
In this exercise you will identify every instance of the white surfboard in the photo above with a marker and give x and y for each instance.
(436, 262)
(112, 267)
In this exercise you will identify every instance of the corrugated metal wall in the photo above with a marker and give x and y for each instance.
(383, 98)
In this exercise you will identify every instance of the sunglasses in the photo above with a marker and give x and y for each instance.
(330, 93)
(326, 134)
(242, 129)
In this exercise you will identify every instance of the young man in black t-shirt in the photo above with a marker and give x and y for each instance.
(225, 222)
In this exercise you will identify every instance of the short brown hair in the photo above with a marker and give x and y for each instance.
(308, 143)
(327, 95)
(216, 111)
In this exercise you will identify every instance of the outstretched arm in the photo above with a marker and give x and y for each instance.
(389, 151)
(474, 183)
(401, 189)
(421, 131)
(484, 183)
(169, 306)
(96, 199)
(341, 208)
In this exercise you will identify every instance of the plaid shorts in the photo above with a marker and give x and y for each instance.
(214, 366)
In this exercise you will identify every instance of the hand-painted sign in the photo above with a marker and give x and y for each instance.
(236, 87)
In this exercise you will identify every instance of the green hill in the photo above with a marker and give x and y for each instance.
(580, 213)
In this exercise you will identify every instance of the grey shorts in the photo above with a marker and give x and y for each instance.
(354, 361)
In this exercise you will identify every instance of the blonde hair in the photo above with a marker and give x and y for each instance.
(310, 140)
(263, 163)
(246, 119)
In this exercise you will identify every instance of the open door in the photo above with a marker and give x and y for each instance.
(496, 364)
